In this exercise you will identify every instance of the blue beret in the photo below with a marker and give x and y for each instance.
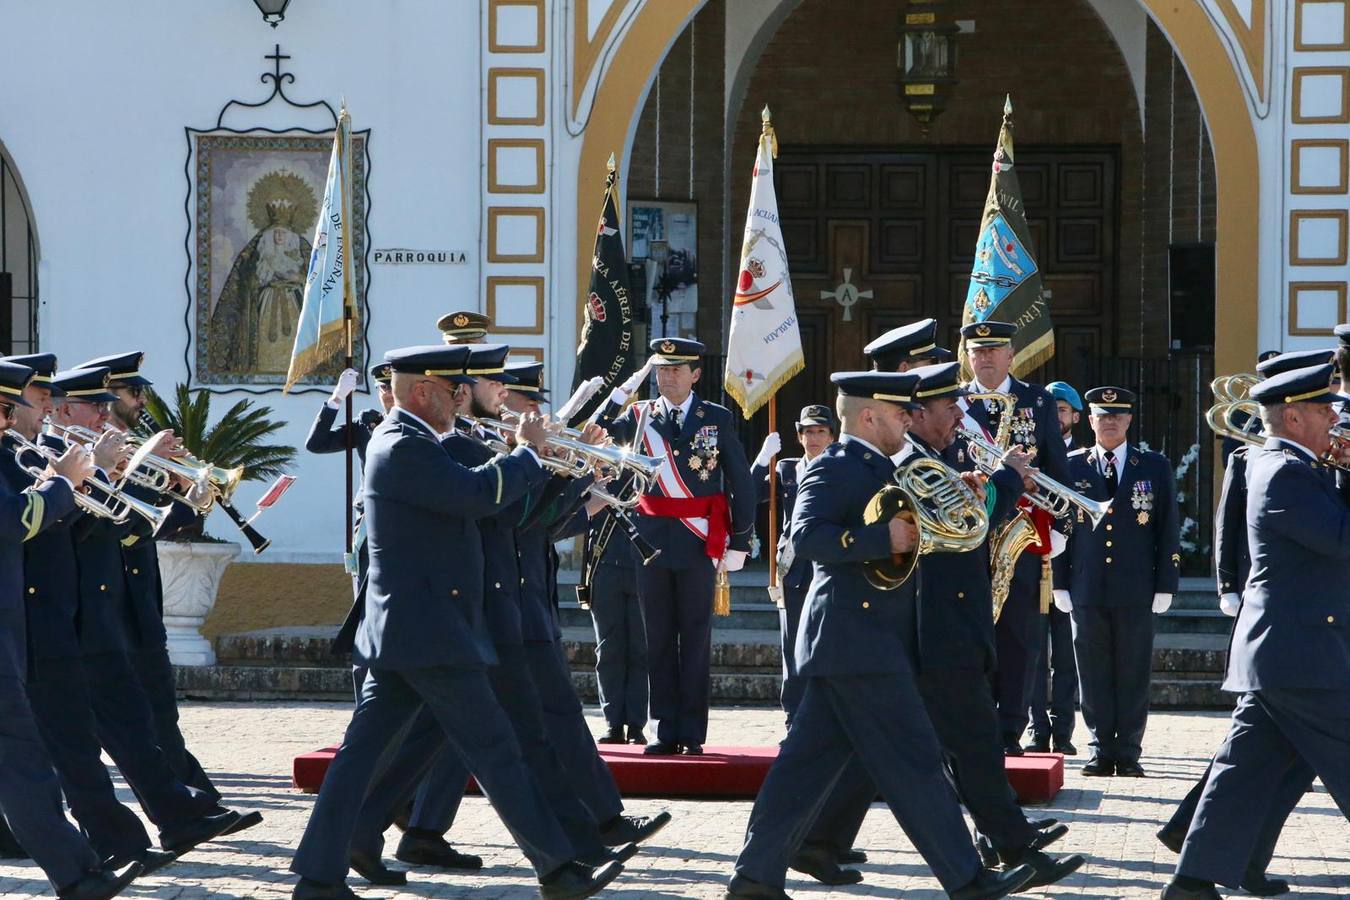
(1062, 390)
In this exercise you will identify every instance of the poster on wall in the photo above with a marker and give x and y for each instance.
(256, 199)
(672, 286)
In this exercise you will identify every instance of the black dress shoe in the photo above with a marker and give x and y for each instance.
(988, 885)
(821, 863)
(1260, 884)
(635, 735)
(1047, 836)
(317, 890)
(1098, 767)
(198, 831)
(742, 888)
(632, 829)
(151, 860)
(100, 884)
(692, 749)
(619, 854)
(419, 849)
(1046, 869)
(1042, 824)
(1012, 746)
(613, 736)
(244, 822)
(1130, 769)
(1038, 745)
(1171, 840)
(661, 748)
(1174, 891)
(851, 856)
(1066, 747)
(574, 880)
(985, 848)
(373, 869)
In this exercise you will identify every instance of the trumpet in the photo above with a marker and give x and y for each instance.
(948, 514)
(99, 497)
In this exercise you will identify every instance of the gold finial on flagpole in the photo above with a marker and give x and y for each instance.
(765, 118)
(611, 165)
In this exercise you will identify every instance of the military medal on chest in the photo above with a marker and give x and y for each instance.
(1141, 498)
(703, 459)
(1024, 428)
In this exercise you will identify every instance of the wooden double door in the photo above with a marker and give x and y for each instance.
(878, 239)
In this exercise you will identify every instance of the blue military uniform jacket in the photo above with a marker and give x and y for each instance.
(140, 559)
(24, 514)
(1135, 552)
(956, 606)
(709, 458)
(325, 437)
(424, 590)
(1035, 426)
(559, 520)
(1232, 562)
(1293, 630)
(849, 627)
(790, 472)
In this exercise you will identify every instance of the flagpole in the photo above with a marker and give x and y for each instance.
(348, 229)
(772, 552)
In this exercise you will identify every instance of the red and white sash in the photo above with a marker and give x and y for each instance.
(668, 476)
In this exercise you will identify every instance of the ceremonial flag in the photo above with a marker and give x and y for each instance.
(764, 348)
(606, 346)
(1005, 282)
(329, 306)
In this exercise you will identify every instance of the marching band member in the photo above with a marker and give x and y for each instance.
(1289, 657)
(1121, 574)
(701, 521)
(434, 649)
(30, 793)
(817, 428)
(905, 348)
(1052, 718)
(620, 636)
(855, 651)
(1036, 428)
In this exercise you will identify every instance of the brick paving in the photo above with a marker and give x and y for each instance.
(248, 749)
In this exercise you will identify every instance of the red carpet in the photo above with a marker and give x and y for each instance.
(722, 772)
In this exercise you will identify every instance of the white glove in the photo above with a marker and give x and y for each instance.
(636, 380)
(1162, 602)
(1063, 602)
(580, 397)
(769, 449)
(1229, 603)
(346, 383)
(1058, 543)
(733, 560)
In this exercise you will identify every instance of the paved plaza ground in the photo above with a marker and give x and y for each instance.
(248, 750)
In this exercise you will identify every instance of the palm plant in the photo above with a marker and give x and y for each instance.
(238, 438)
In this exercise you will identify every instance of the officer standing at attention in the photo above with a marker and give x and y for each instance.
(1036, 428)
(1052, 720)
(463, 327)
(30, 795)
(1121, 574)
(433, 649)
(856, 652)
(817, 428)
(701, 520)
(1289, 659)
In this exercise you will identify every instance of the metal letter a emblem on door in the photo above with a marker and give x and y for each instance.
(847, 294)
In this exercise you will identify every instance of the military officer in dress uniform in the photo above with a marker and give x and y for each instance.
(432, 649)
(817, 428)
(700, 514)
(1289, 659)
(856, 652)
(1121, 574)
(905, 348)
(1052, 719)
(326, 436)
(1036, 428)
(30, 794)
(464, 327)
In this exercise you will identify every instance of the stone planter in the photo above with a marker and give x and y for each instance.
(190, 574)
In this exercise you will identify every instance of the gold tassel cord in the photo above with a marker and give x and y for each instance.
(722, 593)
(1047, 587)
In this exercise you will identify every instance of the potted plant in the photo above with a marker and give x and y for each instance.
(191, 562)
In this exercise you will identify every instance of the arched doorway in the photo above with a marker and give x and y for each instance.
(18, 263)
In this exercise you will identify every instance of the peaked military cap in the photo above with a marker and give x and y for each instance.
(529, 378)
(817, 414)
(463, 327)
(1311, 384)
(1265, 355)
(942, 355)
(675, 351)
(893, 387)
(381, 371)
(908, 342)
(938, 381)
(489, 361)
(1297, 359)
(1342, 333)
(434, 360)
(1062, 390)
(124, 368)
(88, 385)
(13, 379)
(988, 334)
(42, 364)
(1110, 401)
